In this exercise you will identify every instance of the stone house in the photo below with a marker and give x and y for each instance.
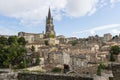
(58, 57)
(36, 45)
(31, 37)
(79, 60)
(53, 41)
(107, 37)
(102, 56)
(71, 39)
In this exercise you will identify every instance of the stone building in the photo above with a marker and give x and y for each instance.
(107, 37)
(36, 45)
(71, 39)
(53, 41)
(34, 37)
(59, 57)
(31, 37)
(79, 60)
(62, 39)
(116, 39)
(38, 39)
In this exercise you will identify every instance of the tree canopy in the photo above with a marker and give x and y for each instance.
(74, 42)
(21, 41)
(12, 51)
(51, 36)
(114, 50)
(3, 40)
(13, 40)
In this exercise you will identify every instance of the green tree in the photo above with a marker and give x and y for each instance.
(74, 42)
(51, 36)
(24, 63)
(112, 58)
(12, 53)
(13, 40)
(114, 50)
(21, 41)
(46, 42)
(3, 56)
(37, 61)
(32, 48)
(99, 71)
(16, 54)
(3, 40)
(100, 67)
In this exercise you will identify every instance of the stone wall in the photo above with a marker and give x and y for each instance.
(41, 76)
(116, 71)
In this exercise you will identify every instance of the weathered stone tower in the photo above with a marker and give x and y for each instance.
(49, 26)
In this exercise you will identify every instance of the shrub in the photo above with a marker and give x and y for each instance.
(46, 42)
(51, 36)
(100, 67)
(74, 43)
(56, 70)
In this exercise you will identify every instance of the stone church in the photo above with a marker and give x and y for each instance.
(33, 37)
(38, 39)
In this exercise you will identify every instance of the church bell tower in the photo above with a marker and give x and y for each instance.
(49, 26)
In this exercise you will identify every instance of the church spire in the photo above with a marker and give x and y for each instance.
(49, 25)
(49, 14)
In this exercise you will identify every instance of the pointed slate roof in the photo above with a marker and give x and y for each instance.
(49, 14)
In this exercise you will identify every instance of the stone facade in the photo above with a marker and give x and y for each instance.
(79, 60)
(38, 40)
(36, 46)
(50, 32)
(53, 41)
(59, 57)
(31, 37)
(116, 71)
(107, 37)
